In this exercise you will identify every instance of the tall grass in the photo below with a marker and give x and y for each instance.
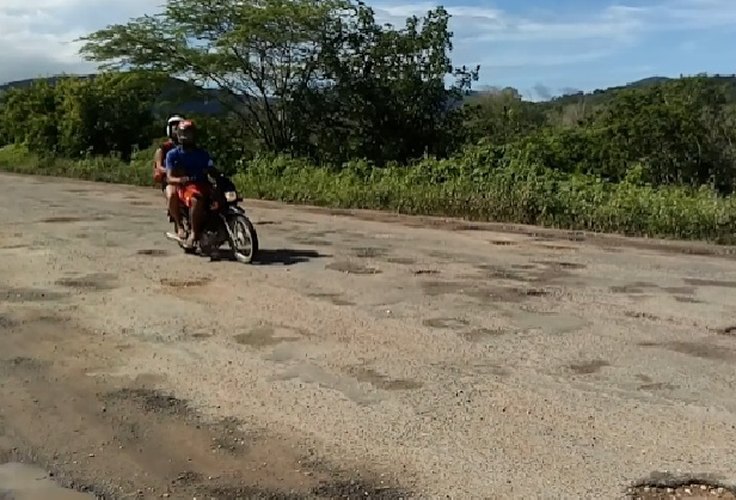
(481, 184)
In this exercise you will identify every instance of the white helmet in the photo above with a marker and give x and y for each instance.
(171, 124)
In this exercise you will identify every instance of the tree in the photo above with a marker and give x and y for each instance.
(79, 116)
(30, 117)
(291, 70)
(501, 116)
(682, 130)
(110, 113)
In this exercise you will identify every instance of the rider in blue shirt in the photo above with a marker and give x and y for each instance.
(187, 167)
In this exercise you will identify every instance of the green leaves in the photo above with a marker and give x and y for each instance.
(76, 116)
(314, 77)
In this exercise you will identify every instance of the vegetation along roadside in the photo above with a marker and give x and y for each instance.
(315, 102)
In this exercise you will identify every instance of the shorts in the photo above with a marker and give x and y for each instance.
(193, 190)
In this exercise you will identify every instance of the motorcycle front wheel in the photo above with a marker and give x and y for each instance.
(243, 239)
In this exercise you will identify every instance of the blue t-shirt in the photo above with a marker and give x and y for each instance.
(193, 163)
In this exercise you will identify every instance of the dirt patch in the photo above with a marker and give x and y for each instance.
(641, 315)
(562, 264)
(334, 298)
(423, 272)
(696, 350)
(23, 481)
(445, 323)
(7, 322)
(687, 300)
(633, 288)
(353, 490)
(559, 248)
(679, 290)
(369, 252)
(383, 382)
(68, 219)
(94, 281)
(481, 334)
(29, 295)
(523, 266)
(201, 336)
(658, 386)
(505, 294)
(589, 367)
(665, 486)
(729, 330)
(712, 283)
(308, 239)
(404, 261)
(185, 283)
(498, 272)
(352, 268)
(151, 401)
(23, 363)
(438, 288)
(153, 252)
(262, 336)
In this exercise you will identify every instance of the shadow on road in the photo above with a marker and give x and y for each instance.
(285, 256)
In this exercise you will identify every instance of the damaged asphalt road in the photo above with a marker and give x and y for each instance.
(364, 355)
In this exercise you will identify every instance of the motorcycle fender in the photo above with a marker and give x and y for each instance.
(235, 210)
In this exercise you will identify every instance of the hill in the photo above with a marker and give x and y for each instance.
(184, 98)
(601, 96)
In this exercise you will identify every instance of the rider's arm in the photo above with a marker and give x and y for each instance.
(158, 159)
(170, 163)
(211, 170)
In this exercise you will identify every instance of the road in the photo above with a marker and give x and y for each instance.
(366, 354)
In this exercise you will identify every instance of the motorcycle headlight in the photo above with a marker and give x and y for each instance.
(231, 196)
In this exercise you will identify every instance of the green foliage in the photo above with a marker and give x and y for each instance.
(513, 191)
(314, 77)
(77, 117)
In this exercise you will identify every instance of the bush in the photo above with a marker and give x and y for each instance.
(510, 190)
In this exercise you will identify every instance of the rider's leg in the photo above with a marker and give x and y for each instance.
(175, 210)
(197, 213)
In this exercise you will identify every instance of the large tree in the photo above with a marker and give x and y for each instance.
(288, 69)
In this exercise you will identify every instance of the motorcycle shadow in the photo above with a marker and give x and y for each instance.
(277, 256)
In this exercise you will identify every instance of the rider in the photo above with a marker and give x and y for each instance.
(187, 167)
(159, 167)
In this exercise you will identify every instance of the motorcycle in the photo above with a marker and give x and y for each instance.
(225, 222)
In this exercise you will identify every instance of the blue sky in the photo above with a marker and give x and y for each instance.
(540, 47)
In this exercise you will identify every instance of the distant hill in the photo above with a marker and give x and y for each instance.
(602, 95)
(182, 97)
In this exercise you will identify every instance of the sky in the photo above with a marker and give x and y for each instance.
(541, 47)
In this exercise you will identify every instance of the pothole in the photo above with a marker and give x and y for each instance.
(446, 323)
(693, 490)
(94, 281)
(729, 330)
(184, 283)
(153, 252)
(420, 272)
(369, 252)
(350, 268)
(18, 480)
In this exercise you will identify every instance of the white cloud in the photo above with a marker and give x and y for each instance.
(37, 35)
